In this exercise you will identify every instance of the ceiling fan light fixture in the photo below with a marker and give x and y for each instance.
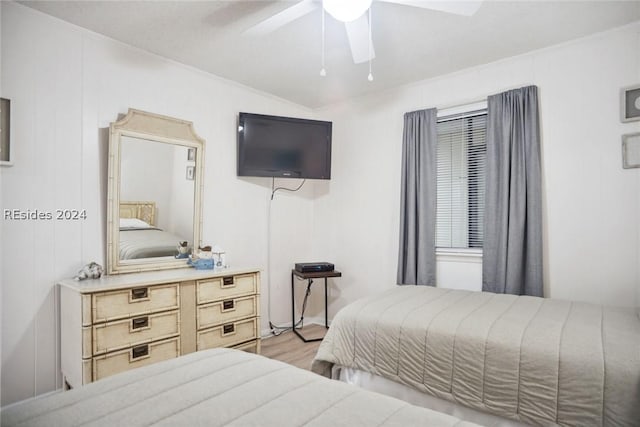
(346, 10)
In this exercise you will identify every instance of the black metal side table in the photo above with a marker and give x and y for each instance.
(309, 277)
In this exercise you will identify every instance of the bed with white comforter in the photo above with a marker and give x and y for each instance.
(220, 387)
(532, 360)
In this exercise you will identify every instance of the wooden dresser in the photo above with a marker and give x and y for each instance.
(117, 323)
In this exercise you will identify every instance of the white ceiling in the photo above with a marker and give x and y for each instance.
(411, 44)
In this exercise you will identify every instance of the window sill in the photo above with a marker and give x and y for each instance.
(459, 255)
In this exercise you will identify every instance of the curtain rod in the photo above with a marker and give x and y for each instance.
(462, 109)
(475, 105)
(461, 104)
(477, 101)
(461, 115)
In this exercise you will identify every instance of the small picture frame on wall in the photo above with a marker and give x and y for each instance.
(5, 132)
(631, 151)
(191, 172)
(630, 104)
(191, 154)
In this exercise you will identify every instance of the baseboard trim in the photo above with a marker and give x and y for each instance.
(266, 333)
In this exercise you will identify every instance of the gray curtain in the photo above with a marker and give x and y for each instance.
(512, 249)
(417, 255)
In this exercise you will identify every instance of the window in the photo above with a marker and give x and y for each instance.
(461, 163)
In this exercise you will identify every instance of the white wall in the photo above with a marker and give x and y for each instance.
(140, 181)
(591, 205)
(66, 85)
(158, 173)
(182, 191)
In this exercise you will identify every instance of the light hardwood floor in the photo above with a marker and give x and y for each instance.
(288, 348)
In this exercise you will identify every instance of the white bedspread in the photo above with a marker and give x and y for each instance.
(147, 243)
(534, 360)
(221, 387)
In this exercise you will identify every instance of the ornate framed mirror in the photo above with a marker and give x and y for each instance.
(154, 192)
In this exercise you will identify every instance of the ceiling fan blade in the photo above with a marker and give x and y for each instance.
(358, 34)
(462, 7)
(282, 18)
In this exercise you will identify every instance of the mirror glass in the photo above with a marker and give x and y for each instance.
(156, 198)
(155, 165)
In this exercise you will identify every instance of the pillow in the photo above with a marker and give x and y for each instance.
(133, 223)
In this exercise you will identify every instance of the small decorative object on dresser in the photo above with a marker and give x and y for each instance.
(93, 270)
(202, 263)
(122, 322)
(203, 252)
(630, 103)
(202, 259)
(220, 256)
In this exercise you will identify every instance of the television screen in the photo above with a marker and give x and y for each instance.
(286, 147)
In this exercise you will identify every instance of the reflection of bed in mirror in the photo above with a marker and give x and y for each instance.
(139, 236)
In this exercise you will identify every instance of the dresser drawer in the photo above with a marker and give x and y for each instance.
(120, 334)
(226, 311)
(135, 357)
(134, 302)
(228, 334)
(219, 288)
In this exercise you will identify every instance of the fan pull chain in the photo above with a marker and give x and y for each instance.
(370, 76)
(323, 72)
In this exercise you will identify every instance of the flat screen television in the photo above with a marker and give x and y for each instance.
(285, 147)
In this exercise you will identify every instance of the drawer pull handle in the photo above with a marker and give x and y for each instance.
(228, 305)
(139, 293)
(140, 351)
(227, 329)
(140, 322)
(227, 281)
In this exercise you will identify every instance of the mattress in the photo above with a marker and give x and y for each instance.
(400, 391)
(533, 360)
(147, 243)
(220, 387)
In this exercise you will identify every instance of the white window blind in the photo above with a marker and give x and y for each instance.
(461, 180)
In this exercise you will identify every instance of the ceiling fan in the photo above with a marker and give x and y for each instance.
(356, 20)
